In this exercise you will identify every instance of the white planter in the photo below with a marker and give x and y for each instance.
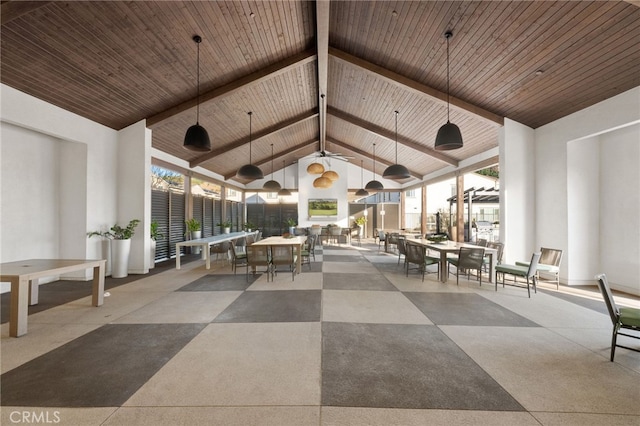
(292, 230)
(120, 250)
(105, 246)
(152, 254)
(227, 230)
(194, 236)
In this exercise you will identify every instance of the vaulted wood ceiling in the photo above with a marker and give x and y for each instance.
(120, 62)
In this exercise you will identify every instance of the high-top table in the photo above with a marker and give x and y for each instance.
(21, 273)
(447, 247)
(296, 242)
(206, 243)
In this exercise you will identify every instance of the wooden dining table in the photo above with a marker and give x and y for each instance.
(296, 242)
(446, 247)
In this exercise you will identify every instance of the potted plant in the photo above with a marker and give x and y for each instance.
(226, 226)
(249, 226)
(155, 236)
(193, 233)
(291, 223)
(120, 239)
(361, 221)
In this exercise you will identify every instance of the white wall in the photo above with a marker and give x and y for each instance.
(338, 190)
(616, 123)
(517, 191)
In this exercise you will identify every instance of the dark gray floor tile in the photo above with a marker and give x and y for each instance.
(404, 366)
(337, 258)
(273, 306)
(216, 282)
(338, 281)
(466, 309)
(100, 369)
(315, 267)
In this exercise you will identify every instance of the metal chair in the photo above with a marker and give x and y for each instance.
(309, 250)
(468, 259)
(382, 238)
(237, 257)
(549, 263)
(417, 255)
(625, 318)
(528, 272)
(222, 248)
(284, 256)
(402, 248)
(258, 256)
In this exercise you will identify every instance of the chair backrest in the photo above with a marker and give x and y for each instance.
(232, 247)
(533, 265)
(335, 231)
(223, 247)
(315, 230)
(550, 256)
(470, 257)
(500, 251)
(240, 242)
(402, 246)
(381, 235)
(258, 255)
(311, 243)
(603, 285)
(393, 238)
(482, 242)
(249, 239)
(415, 253)
(282, 255)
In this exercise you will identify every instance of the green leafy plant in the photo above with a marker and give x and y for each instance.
(290, 221)
(361, 220)
(117, 232)
(249, 225)
(155, 231)
(225, 224)
(192, 225)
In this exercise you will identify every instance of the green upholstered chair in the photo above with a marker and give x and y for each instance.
(417, 255)
(622, 318)
(258, 256)
(309, 250)
(527, 272)
(498, 256)
(549, 263)
(468, 259)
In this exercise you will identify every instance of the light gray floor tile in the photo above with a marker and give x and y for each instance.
(379, 307)
(241, 364)
(546, 372)
(55, 415)
(582, 419)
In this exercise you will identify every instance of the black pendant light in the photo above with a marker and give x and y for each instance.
(361, 192)
(449, 136)
(271, 185)
(284, 192)
(396, 171)
(373, 185)
(249, 171)
(197, 138)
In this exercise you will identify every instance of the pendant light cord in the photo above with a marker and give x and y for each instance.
(271, 161)
(448, 35)
(250, 114)
(198, 40)
(397, 137)
(374, 161)
(362, 173)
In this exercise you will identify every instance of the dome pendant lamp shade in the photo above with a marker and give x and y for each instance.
(331, 175)
(396, 171)
(197, 138)
(315, 169)
(449, 136)
(361, 192)
(373, 185)
(271, 185)
(249, 171)
(284, 192)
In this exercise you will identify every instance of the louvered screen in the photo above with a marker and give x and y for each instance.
(198, 206)
(234, 217)
(160, 213)
(270, 218)
(207, 221)
(217, 216)
(177, 227)
(256, 215)
(229, 212)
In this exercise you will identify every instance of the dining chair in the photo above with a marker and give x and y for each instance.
(382, 238)
(468, 259)
(392, 239)
(528, 272)
(283, 256)
(402, 248)
(549, 263)
(417, 255)
(222, 248)
(622, 318)
(309, 250)
(258, 256)
(486, 264)
(237, 257)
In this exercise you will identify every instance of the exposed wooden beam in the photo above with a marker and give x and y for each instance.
(257, 136)
(322, 40)
(358, 151)
(634, 2)
(407, 83)
(379, 131)
(15, 9)
(277, 156)
(239, 84)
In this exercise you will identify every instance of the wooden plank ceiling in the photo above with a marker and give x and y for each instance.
(120, 62)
